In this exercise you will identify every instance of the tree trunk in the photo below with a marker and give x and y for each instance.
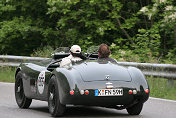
(175, 34)
(124, 31)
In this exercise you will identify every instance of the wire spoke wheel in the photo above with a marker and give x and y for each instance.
(52, 98)
(19, 90)
(55, 107)
(21, 99)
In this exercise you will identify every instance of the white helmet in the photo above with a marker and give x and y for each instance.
(75, 49)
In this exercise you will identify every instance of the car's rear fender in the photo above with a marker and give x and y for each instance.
(141, 83)
(18, 69)
(67, 81)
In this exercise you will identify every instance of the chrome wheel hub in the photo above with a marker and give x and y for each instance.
(18, 89)
(51, 96)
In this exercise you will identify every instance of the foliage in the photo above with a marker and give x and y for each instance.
(24, 26)
(43, 52)
(144, 30)
(159, 37)
(85, 22)
(156, 40)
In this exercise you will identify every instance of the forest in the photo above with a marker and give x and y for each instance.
(135, 30)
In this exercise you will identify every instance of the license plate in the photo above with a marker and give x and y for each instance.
(108, 92)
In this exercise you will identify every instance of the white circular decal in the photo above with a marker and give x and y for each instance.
(41, 82)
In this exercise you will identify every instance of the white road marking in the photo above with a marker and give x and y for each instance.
(160, 99)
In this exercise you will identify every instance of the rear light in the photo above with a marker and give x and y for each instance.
(130, 91)
(86, 92)
(82, 92)
(72, 92)
(134, 92)
(146, 91)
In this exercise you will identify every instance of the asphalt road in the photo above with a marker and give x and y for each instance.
(153, 108)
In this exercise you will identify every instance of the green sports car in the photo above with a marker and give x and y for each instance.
(88, 82)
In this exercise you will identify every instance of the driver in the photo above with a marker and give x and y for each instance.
(75, 55)
(104, 52)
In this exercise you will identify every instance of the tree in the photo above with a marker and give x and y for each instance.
(94, 21)
(25, 26)
(143, 28)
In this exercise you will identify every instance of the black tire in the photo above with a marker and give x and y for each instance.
(21, 99)
(135, 109)
(54, 105)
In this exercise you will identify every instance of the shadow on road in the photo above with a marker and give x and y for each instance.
(84, 111)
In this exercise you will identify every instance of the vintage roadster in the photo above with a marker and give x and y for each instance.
(89, 82)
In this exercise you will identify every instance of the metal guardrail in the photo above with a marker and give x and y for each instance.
(160, 70)
(15, 59)
(10, 64)
(167, 71)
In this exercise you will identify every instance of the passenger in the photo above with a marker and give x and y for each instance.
(75, 55)
(104, 52)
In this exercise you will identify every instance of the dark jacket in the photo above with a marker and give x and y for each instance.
(107, 59)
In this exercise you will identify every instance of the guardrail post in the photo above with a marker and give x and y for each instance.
(170, 83)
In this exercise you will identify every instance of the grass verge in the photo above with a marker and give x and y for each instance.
(158, 86)
(7, 74)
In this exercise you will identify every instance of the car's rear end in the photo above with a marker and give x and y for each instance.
(106, 84)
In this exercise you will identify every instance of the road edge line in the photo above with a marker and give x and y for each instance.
(161, 99)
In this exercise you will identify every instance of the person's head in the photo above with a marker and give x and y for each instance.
(75, 50)
(103, 51)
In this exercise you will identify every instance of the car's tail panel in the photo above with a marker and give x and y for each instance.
(123, 98)
(95, 71)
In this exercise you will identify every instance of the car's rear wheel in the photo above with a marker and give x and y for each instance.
(135, 109)
(55, 107)
(21, 99)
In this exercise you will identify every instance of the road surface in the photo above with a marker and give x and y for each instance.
(153, 108)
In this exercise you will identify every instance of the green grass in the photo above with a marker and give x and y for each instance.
(7, 74)
(158, 86)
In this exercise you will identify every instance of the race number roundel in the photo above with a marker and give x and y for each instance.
(41, 82)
